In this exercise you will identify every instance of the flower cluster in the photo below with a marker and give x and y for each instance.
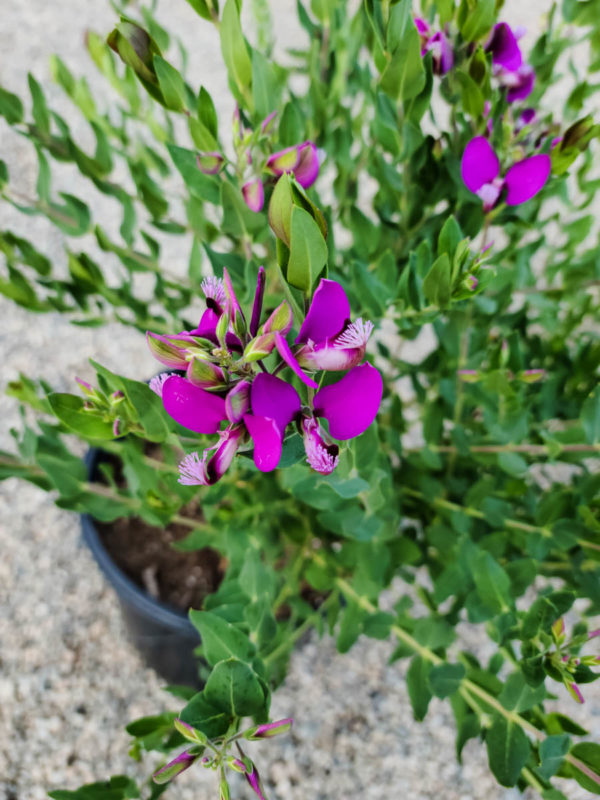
(254, 167)
(509, 68)
(220, 759)
(480, 170)
(571, 668)
(438, 44)
(226, 382)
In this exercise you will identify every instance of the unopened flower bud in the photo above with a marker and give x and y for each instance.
(209, 163)
(259, 347)
(558, 630)
(280, 320)
(191, 734)
(236, 764)
(574, 691)
(532, 375)
(175, 767)
(280, 209)
(237, 401)
(254, 194)
(115, 428)
(269, 729)
(468, 375)
(471, 282)
(87, 389)
(165, 351)
(593, 634)
(204, 373)
(221, 330)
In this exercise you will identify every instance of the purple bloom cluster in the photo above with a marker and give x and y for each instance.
(480, 170)
(302, 160)
(221, 385)
(438, 44)
(507, 60)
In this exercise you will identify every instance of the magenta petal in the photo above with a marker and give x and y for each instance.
(479, 164)
(275, 399)
(308, 165)
(421, 25)
(350, 405)
(191, 406)
(207, 326)
(525, 178)
(284, 160)
(267, 441)
(504, 47)
(258, 301)
(328, 313)
(290, 359)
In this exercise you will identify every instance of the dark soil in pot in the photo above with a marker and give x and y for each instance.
(155, 584)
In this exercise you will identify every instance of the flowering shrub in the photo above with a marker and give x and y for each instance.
(409, 193)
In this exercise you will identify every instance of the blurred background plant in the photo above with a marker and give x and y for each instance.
(455, 490)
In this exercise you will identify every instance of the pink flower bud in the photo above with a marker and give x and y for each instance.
(254, 194)
(468, 375)
(209, 163)
(269, 729)
(175, 767)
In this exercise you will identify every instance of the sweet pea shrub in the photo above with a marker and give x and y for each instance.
(420, 188)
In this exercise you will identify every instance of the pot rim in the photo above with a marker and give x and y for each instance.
(125, 587)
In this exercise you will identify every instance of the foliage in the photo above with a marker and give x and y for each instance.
(458, 478)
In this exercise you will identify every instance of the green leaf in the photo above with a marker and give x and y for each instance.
(417, 683)
(40, 109)
(201, 8)
(308, 250)
(235, 49)
(512, 464)
(206, 717)
(70, 411)
(404, 75)
(206, 187)
(517, 695)
(445, 679)
(508, 750)
(119, 787)
(450, 237)
(438, 282)
(11, 107)
(590, 417)
(552, 752)
(220, 639)
(471, 96)
(589, 754)
(266, 90)
(234, 687)
(171, 84)
(207, 113)
(475, 18)
(492, 583)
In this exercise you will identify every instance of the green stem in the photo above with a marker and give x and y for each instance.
(300, 630)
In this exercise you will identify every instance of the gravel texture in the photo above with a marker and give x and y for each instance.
(69, 681)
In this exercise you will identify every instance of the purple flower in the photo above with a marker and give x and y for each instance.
(175, 767)
(443, 55)
(351, 404)
(254, 194)
(330, 341)
(320, 454)
(480, 169)
(300, 159)
(519, 82)
(504, 47)
(207, 470)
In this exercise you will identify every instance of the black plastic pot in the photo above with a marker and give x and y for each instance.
(162, 634)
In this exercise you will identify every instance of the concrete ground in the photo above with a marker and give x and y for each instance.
(69, 681)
